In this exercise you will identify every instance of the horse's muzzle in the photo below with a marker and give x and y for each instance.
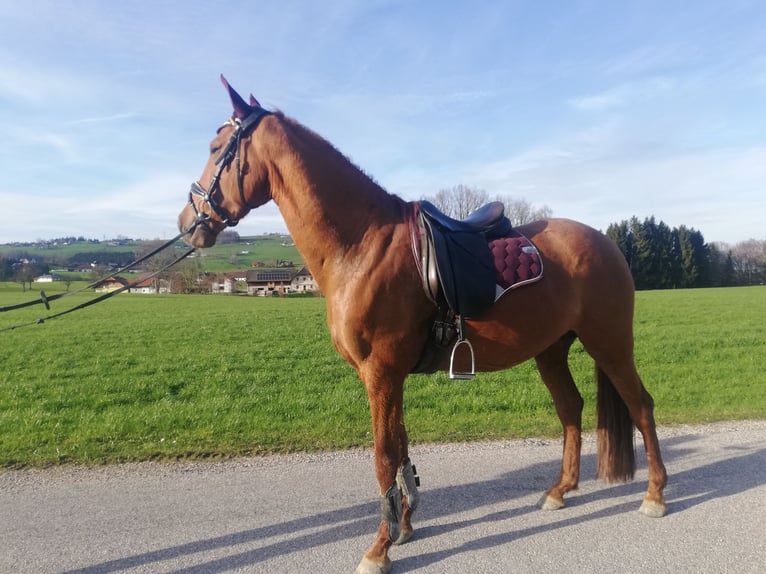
(200, 236)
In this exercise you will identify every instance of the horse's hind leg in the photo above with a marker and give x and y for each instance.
(616, 371)
(626, 381)
(554, 370)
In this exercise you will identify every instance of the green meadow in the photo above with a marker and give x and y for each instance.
(166, 377)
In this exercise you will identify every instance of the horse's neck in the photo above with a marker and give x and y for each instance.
(328, 204)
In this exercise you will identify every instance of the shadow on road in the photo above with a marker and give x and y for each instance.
(730, 476)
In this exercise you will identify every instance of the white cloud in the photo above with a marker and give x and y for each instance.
(102, 119)
(60, 143)
(38, 86)
(625, 94)
(607, 99)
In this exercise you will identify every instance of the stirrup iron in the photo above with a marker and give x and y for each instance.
(461, 340)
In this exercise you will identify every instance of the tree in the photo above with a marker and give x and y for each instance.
(621, 234)
(721, 266)
(228, 236)
(97, 272)
(729, 275)
(189, 271)
(26, 274)
(460, 200)
(156, 262)
(694, 258)
(6, 268)
(749, 258)
(645, 264)
(520, 211)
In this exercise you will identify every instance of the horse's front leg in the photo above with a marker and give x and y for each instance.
(394, 471)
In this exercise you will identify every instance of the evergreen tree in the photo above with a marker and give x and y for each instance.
(693, 257)
(621, 235)
(663, 258)
(650, 258)
(667, 268)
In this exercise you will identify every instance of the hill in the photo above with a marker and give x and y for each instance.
(75, 255)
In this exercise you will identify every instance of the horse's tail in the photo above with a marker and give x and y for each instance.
(616, 454)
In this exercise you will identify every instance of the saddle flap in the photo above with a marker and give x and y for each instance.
(465, 267)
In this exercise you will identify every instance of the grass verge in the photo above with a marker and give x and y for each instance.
(145, 377)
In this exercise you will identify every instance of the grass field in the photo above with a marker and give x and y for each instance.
(174, 376)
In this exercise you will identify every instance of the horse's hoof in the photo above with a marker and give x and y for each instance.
(653, 509)
(404, 536)
(547, 502)
(367, 566)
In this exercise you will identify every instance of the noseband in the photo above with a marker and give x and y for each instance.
(230, 152)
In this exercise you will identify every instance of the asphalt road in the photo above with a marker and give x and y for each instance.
(317, 513)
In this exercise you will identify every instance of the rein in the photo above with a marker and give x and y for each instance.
(45, 300)
(230, 151)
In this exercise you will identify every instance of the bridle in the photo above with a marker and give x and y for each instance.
(231, 151)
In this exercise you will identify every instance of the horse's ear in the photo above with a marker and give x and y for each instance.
(241, 109)
(255, 103)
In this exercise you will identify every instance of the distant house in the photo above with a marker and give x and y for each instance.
(280, 282)
(47, 279)
(303, 281)
(268, 282)
(224, 283)
(111, 284)
(147, 286)
(227, 282)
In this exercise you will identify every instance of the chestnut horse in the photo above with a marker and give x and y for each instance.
(356, 239)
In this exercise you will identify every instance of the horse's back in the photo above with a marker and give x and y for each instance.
(586, 284)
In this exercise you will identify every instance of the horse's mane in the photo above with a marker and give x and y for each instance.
(311, 139)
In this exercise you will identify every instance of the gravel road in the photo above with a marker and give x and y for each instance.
(317, 513)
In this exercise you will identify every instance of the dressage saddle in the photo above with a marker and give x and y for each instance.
(458, 274)
(458, 269)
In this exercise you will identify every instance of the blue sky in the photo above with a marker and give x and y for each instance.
(600, 110)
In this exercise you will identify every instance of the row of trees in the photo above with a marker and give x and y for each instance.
(660, 257)
(663, 258)
(460, 200)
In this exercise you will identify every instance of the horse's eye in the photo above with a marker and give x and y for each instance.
(215, 149)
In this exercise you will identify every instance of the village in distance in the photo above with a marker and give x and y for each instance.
(263, 265)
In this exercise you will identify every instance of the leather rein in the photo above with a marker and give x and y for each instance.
(230, 152)
(45, 300)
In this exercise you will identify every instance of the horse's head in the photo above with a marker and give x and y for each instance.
(233, 181)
